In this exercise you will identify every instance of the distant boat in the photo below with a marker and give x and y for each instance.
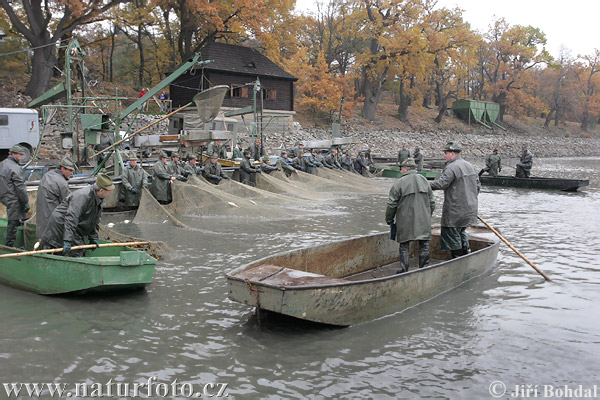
(394, 172)
(354, 281)
(567, 185)
(108, 268)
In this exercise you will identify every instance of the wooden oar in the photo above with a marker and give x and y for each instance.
(539, 271)
(84, 246)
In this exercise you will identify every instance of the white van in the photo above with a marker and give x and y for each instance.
(18, 126)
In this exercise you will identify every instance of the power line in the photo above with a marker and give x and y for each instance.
(33, 48)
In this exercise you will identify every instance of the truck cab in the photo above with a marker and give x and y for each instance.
(18, 126)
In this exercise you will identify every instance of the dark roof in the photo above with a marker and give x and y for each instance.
(240, 59)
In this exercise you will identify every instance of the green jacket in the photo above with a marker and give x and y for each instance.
(214, 148)
(161, 188)
(237, 153)
(418, 156)
(213, 173)
(411, 203)
(461, 186)
(75, 218)
(53, 189)
(133, 178)
(13, 192)
(493, 164)
(403, 155)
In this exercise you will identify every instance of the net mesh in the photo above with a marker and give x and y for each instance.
(208, 104)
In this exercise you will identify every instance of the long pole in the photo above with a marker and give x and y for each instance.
(539, 271)
(84, 246)
(142, 129)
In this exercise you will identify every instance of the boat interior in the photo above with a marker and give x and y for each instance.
(364, 258)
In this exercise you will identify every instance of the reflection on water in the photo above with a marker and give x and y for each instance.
(508, 325)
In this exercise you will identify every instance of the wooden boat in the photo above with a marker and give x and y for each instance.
(394, 172)
(353, 281)
(567, 185)
(110, 268)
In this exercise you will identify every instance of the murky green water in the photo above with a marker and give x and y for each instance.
(508, 325)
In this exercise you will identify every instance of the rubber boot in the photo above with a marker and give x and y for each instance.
(423, 253)
(456, 253)
(11, 231)
(404, 257)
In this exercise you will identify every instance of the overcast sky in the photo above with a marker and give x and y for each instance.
(574, 24)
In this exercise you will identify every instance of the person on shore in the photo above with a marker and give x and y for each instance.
(493, 164)
(265, 165)
(191, 166)
(409, 208)
(175, 168)
(418, 157)
(460, 184)
(162, 181)
(213, 171)
(285, 164)
(13, 192)
(247, 170)
(53, 189)
(360, 165)
(524, 165)
(256, 150)
(78, 217)
(302, 163)
(313, 158)
(133, 179)
(348, 162)
(403, 154)
(106, 141)
(331, 158)
(237, 152)
(217, 148)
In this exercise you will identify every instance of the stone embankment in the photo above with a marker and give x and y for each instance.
(387, 143)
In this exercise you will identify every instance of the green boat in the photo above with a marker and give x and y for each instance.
(394, 172)
(103, 269)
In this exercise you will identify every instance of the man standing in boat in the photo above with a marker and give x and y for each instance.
(411, 203)
(134, 178)
(403, 154)
(460, 183)
(13, 192)
(418, 156)
(525, 163)
(493, 164)
(53, 189)
(78, 217)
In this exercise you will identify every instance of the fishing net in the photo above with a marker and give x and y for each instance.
(199, 198)
(157, 249)
(277, 182)
(208, 105)
(150, 210)
(358, 182)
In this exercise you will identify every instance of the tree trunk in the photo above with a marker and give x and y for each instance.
(370, 102)
(442, 109)
(43, 64)
(140, 45)
(585, 120)
(549, 118)
(403, 104)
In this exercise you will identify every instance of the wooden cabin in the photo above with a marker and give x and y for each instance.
(237, 67)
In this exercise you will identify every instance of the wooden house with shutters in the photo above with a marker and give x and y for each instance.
(237, 67)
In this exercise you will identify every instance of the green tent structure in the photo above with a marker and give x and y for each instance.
(484, 112)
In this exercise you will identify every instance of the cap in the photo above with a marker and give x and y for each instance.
(17, 149)
(409, 162)
(192, 157)
(452, 146)
(175, 154)
(163, 155)
(104, 182)
(67, 164)
(214, 155)
(283, 152)
(247, 152)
